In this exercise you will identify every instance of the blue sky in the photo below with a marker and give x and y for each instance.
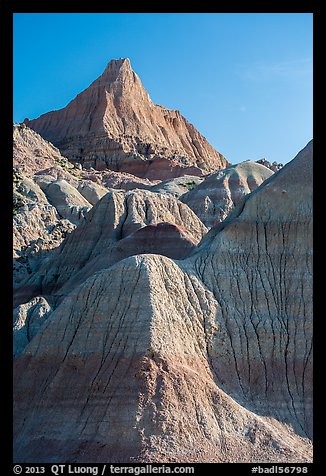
(244, 80)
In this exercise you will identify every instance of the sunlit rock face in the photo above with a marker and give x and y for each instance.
(114, 124)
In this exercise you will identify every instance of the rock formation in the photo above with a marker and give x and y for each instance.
(37, 226)
(214, 198)
(28, 319)
(275, 166)
(163, 238)
(69, 203)
(42, 220)
(114, 124)
(33, 154)
(258, 264)
(140, 384)
(206, 359)
(91, 191)
(113, 218)
(117, 180)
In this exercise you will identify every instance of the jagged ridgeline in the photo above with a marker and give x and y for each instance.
(114, 124)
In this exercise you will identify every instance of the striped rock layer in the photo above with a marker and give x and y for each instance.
(206, 359)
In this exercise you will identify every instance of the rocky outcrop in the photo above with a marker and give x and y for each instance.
(37, 226)
(164, 238)
(113, 218)
(28, 319)
(35, 157)
(32, 155)
(274, 166)
(258, 264)
(214, 198)
(116, 180)
(114, 124)
(69, 203)
(42, 220)
(202, 360)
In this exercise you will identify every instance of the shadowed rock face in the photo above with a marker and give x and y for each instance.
(275, 166)
(214, 198)
(37, 226)
(28, 319)
(114, 124)
(259, 267)
(165, 239)
(205, 359)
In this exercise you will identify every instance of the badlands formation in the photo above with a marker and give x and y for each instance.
(114, 124)
(162, 297)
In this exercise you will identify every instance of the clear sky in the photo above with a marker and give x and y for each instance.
(243, 79)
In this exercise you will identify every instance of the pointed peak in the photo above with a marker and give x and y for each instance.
(119, 78)
(116, 64)
(117, 68)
